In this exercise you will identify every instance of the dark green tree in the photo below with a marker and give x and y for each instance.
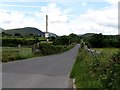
(97, 41)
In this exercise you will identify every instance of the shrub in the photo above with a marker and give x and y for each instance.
(102, 71)
(107, 73)
(48, 49)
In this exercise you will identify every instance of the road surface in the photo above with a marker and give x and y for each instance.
(42, 72)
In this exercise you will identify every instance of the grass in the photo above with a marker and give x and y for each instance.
(108, 51)
(87, 69)
(15, 53)
(81, 72)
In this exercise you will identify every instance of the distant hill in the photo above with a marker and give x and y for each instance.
(87, 35)
(25, 31)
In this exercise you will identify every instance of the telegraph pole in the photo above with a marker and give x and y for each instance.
(46, 33)
(46, 23)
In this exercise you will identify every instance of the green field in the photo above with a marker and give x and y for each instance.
(108, 51)
(15, 53)
(97, 72)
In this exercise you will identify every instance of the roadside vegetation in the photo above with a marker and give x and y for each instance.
(102, 71)
(102, 41)
(19, 53)
(15, 53)
(89, 71)
(20, 47)
(48, 49)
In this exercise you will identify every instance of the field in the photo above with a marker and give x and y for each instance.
(15, 53)
(98, 71)
(108, 51)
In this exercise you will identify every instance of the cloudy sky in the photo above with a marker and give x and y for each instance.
(65, 17)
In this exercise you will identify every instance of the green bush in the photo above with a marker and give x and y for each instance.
(102, 71)
(48, 49)
(107, 73)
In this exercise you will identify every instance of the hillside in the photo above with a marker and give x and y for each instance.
(25, 31)
(87, 35)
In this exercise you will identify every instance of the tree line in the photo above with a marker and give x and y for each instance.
(94, 41)
(103, 41)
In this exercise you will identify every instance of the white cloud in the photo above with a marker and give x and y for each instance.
(84, 4)
(113, 1)
(97, 21)
(12, 5)
(57, 19)
(93, 21)
(9, 20)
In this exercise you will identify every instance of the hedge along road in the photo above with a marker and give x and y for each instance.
(42, 72)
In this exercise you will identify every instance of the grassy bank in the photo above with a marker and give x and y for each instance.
(15, 53)
(101, 71)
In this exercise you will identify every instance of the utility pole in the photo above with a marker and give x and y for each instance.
(46, 23)
(69, 39)
(46, 33)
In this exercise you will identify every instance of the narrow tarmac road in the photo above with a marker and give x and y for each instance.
(42, 72)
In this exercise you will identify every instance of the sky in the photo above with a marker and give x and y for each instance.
(64, 17)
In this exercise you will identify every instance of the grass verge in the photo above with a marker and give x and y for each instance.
(97, 72)
(15, 53)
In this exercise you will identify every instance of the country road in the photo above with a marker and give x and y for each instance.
(41, 72)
